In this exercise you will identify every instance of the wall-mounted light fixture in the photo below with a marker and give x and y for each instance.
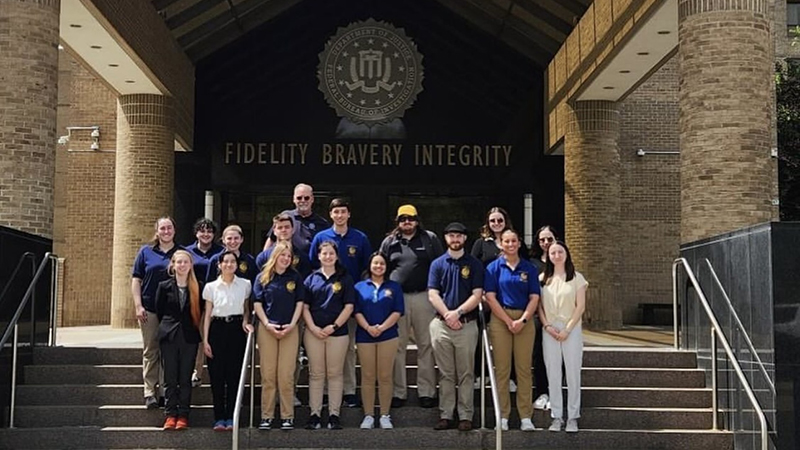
(95, 135)
(642, 152)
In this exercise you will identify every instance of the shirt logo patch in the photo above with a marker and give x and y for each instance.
(243, 266)
(465, 272)
(523, 276)
(290, 286)
(337, 286)
(352, 250)
(388, 293)
(295, 261)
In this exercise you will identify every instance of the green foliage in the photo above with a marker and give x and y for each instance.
(787, 90)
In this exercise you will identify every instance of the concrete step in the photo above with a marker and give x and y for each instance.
(89, 438)
(131, 394)
(138, 416)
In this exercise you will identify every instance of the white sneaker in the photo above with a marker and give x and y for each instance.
(512, 386)
(542, 402)
(386, 422)
(368, 423)
(557, 424)
(297, 401)
(504, 424)
(527, 425)
(572, 426)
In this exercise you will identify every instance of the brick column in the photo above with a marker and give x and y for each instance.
(143, 188)
(726, 70)
(28, 100)
(592, 205)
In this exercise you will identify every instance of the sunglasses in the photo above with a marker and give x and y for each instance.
(496, 220)
(546, 239)
(303, 198)
(407, 219)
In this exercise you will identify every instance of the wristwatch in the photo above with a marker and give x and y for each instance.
(335, 327)
(524, 320)
(460, 312)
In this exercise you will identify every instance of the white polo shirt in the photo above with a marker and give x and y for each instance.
(228, 298)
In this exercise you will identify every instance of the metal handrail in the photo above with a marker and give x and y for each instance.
(26, 255)
(237, 410)
(487, 362)
(741, 327)
(51, 337)
(716, 332)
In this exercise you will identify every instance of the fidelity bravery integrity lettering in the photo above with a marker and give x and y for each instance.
(369, 154)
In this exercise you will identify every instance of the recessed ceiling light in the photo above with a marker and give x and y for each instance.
(624, 71)
(664, 32)
(96, 47)
(130, 81)
(75, 25)
(608, 87)
(643, 53)
(113, 65)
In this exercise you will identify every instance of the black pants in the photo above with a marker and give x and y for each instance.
(177, 360)
(227, 340)
(539, 370)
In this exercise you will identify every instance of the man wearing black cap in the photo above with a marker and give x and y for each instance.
(455, 286)
(409, 251)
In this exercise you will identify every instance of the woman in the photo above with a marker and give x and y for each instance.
(544, 236)
(178, 311)
(232, 239)
(487, 248)
(379, 305)
(328, 304)
(278, 306)
(563, 303)
(512, 291)
(150, 269)
(225, 336)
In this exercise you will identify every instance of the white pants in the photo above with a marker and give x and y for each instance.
(571, 351)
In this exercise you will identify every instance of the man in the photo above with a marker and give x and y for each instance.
(203, 249)
(307, 223)
(354, 250)
(455, 286)
(409, 251)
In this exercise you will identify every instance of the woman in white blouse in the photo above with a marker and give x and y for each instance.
(561, 308)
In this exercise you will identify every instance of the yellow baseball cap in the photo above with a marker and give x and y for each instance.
(407, 210)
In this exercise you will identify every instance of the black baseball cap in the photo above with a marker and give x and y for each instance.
(455, 227)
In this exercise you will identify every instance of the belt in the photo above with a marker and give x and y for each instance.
(463, 319)
(228, 318)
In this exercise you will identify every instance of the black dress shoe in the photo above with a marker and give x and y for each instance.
(150, 402)
(398, 402)
(442, 424)
(426, 402)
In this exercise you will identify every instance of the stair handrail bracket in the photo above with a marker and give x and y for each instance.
(716, 331)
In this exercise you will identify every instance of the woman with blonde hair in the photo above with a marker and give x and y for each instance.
(279, 303)
(178, 311)
(233, 238)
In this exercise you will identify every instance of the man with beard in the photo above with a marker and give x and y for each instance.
(455, 286)
(307, 223)
(409, 251)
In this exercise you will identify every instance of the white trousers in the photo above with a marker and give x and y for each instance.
(571, 352)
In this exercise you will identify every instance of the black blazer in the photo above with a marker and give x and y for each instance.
(172, 319)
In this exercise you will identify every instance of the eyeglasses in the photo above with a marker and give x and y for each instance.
(303, 198)
(407, 219)
(546, 239)
(500, 220)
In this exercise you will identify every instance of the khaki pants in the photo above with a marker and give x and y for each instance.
(520, 345)
(454, 351)
(418, 315)
(278, 359)
(571, 352)
(152, 373)
(325, 363)
(377, 361)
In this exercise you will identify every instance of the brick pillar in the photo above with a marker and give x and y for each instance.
(726, 69)
(28, 100)
(592, 205)
(143, 188)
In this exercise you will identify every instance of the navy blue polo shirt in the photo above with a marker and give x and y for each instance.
(377, 303)
(354, 250)
(201, 259)
(150, 266)
(246, 267)
(326, 298)
(304, 229)
(455, 278)
(512, 286)
(280, 296)
(300, 261)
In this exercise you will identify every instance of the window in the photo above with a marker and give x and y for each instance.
(793, 17)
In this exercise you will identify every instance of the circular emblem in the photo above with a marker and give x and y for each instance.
(243, 267)
(337, 286)
(351, 250)
(295, 261)
(523, 276)
(465, 272)
(387, 293)
(370, 72)
(290, 285)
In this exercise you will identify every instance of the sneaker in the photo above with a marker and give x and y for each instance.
(265, 424)
(350, 401)
(542, 402)
(464, 425)
(196, 381)
(313, 423)
(297, 401)
(504, 424)
(219, 425)
(398, 402)
(386, 422)
(572, 426)
(512, 386)
(426, 402)
(229, 425)
(368, 423)
(287, 424)
(169, 424)
(527, 425)
(334, 423)
(182, 423)
(556, 425)
(151, 402)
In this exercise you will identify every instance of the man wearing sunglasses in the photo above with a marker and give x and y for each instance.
(409, 251)
(306, 222)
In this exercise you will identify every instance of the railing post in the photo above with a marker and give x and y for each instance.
(675, 305)
(13, 377)
(714, 406)
(51, 341)
(253, 376)
(481, 382)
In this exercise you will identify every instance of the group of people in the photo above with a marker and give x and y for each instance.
(320, 286)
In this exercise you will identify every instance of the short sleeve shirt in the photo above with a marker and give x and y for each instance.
(150, 266)
(513, 287)
(280, 296)
(376, 303)
(228, 299)
(354, 249)
(326, 298)
(300, 261)
(245, 267)
(559, 297)
(455, 278)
